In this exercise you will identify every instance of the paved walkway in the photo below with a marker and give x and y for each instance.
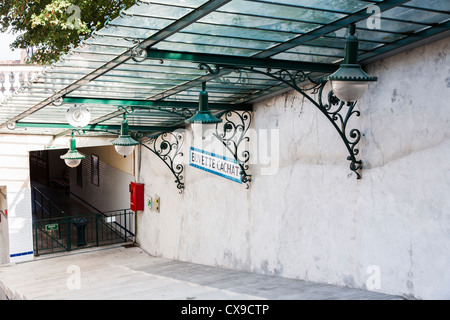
(118, 272)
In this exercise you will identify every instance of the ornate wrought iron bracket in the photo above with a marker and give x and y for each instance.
(232, 132)
(168, 147)
(333, 110)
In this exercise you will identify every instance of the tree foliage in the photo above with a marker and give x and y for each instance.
(49, 27)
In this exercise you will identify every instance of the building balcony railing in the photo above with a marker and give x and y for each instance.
(12, 77)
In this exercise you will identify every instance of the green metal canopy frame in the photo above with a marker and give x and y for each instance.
(148, 59)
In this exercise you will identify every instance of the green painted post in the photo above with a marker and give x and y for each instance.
(37, 243)
(68, 235)
(96, 230)
(125, 218)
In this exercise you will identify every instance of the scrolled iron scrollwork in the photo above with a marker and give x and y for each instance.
(11, 125)
(208, 68)
(286, 75)
(339, 113)
(242, 79)
(232, 132)
(184, 112)
(57, 101)
(138, 54)
(168, 147)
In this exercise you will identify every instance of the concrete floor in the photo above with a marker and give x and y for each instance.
(118, 272)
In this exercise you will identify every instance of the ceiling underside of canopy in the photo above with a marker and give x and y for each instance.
(161, 84)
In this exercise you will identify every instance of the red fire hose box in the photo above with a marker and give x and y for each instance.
(136, 196)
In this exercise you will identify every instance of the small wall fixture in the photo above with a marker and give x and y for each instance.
(350, 82)
(78, 116)
(73, 158)
(124, 144)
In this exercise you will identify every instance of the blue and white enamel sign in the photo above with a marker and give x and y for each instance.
(213, 163)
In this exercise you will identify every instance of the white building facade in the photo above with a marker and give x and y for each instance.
(14, 76)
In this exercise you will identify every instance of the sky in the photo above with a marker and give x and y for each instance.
(5, 52)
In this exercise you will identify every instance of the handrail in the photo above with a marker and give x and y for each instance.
(50, 203)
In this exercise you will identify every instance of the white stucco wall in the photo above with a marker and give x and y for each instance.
(4, 234)
(312, 219)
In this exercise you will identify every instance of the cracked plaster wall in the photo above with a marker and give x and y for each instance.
(309, 217)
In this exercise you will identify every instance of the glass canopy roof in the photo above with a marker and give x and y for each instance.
(161, 83)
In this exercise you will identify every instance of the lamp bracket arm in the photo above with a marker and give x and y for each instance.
(181, 112)
(125, 110)
(78, 131)
(339, 114)
(167, 146)
(334, 110)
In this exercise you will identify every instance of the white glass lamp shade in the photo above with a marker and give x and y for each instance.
(78, 116)
(349, 90)
(72, 162)
(124, 144)
(72, 158)
(124, 150)
(350, 82)
(203, 130)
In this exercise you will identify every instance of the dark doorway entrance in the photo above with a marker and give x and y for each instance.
(62, 221)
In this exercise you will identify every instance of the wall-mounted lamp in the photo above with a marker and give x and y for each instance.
(124, 144)
(350, 82)
(203, 115)
(72, 158)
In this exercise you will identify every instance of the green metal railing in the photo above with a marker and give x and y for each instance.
(43, 208)
(77, 232)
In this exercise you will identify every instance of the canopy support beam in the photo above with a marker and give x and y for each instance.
(93, 127)
(242, 61)
(147, 103)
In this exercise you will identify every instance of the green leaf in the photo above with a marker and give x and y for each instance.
(50, 26)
